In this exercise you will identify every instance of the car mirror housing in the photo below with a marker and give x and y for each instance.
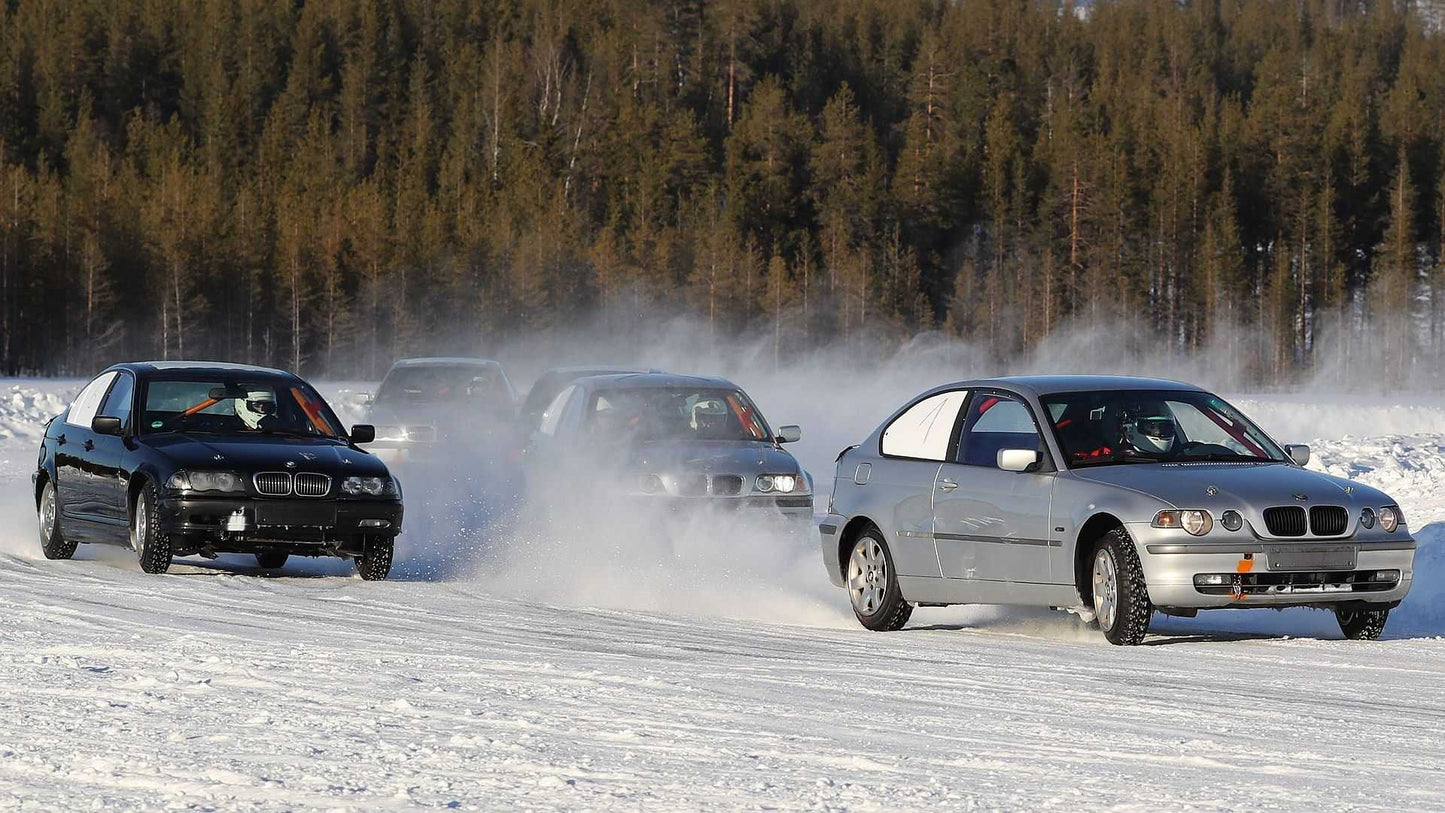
(792, 433)
(1298, 452)
(1017, 459)
(106, 425)
(363, 433)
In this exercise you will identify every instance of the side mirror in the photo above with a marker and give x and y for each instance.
(1017, 459)
(106, 425)
(363, 433)
(1298, 452)
(792, 433)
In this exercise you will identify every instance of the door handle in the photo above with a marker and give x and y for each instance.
(60, 441)
(89, 445)
(947, 485)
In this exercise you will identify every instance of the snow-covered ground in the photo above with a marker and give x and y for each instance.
(682, 678)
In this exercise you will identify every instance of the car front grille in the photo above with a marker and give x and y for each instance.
(692, 485)
(727, 485)
(310, 484)
(273, 483)
(1288, 520)
(1328, 520)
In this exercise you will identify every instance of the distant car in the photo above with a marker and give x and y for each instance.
(182, 458)
(553, 381)
(671, 440)
(1114, 497)
(427, 410)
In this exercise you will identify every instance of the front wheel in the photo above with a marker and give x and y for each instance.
(374, 563)
(1121, 597)
(873, 585)
(52, 543)
(1362, 625)
(151, 544)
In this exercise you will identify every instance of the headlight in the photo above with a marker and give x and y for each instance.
(1197, 523)
(781, 483)
(1391, 518)
(651, 484)
(390, 432)
(369, 486)
(1367, 518)
(223, 482)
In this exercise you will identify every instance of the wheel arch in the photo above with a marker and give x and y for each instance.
(851, 531)
(138, 481)
(1094, 528)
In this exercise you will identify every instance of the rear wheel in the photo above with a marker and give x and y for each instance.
(374, 563)
(1362, 624)
(151, 544)
(52, 543)
(271, 560)
(873, 585)
(1121, 598)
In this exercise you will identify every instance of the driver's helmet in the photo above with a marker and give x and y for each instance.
(1151, 431)
(709, 418)
(255, 407)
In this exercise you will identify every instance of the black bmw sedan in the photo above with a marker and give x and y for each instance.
(186, 458)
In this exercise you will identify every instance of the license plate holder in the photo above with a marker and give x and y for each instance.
(295, 515)
(1312, 557)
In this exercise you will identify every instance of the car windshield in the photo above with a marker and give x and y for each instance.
(655, 413)
(1129, 426)
(442, 383)
(236, 407)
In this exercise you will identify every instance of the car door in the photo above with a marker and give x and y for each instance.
(108, 457)
(991, 524)
(901, 479)
(74, 453)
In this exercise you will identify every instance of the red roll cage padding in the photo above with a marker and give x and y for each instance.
(204, 405)
(313, 412)
(1235, 429)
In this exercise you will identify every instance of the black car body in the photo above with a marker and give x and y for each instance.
(160, 456)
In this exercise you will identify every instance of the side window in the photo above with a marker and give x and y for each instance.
(924, 429)
(552, 415)
(83, 408)
(995, 423)
(117, 403)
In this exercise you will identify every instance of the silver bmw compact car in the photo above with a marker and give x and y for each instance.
(1110, 497)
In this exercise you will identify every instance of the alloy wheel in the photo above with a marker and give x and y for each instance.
(867, 576)
(1106, 589)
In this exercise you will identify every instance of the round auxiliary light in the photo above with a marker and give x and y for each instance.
(1197, 523)
(651, 484)
(1367, 518)
(1231, 520)
(1389, 518)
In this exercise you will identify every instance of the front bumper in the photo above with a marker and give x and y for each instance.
(792, 506)
(220, 522)
(1268, 573)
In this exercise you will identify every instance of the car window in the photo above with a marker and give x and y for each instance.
(642, 414)
(83, 408)
(995, 423)
(229, 407)
(117, 403)
(1143, 426)
(552, 415)
(924, 429)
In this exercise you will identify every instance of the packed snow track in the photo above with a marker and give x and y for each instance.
(219, 687)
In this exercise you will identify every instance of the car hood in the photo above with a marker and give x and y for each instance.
(723, 457)
(264, 452)
(1234, 485)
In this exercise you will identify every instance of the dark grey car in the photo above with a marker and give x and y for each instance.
(1113, 497)
(670, 439)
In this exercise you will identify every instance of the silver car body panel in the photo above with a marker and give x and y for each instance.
(1000, 537)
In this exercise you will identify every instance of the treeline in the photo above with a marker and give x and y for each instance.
(327, 185)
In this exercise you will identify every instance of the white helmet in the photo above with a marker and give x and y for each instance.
(1151, 433)
(257, 405)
